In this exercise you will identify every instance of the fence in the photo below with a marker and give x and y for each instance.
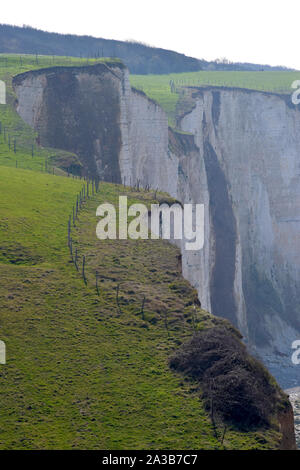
(177, 85)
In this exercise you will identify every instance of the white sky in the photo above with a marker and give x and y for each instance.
(260, 31)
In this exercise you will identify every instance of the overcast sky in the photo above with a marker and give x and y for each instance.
(261, 31)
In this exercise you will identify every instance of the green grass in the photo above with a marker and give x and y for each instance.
(19, 63)
(82, 373)
(158, 88)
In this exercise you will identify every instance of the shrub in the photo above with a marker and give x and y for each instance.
(235, 386)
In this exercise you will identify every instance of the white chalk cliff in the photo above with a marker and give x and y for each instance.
(239, 155)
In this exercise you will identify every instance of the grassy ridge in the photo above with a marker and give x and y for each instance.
(158, 87)
(82, 373)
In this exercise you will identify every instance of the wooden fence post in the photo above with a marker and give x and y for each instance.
(83, 270)
(143, 305)
(97, 287)
(75, 259)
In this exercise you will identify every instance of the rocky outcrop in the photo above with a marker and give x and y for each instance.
(76, 109)
(287, 429)
(294, 397)
(238, 154)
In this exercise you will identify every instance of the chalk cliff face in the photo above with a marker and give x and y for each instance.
(239, 156)
(250, 143)
(76, 108)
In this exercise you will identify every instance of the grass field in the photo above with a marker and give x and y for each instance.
(82, 372)
(158, 87)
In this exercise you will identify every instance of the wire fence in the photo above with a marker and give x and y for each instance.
(177, 85)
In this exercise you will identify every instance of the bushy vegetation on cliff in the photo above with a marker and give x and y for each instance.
(235, 386)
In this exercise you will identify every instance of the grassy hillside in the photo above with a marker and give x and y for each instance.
(139, 57)
(88, 369)
(83, 371)
(158, 87)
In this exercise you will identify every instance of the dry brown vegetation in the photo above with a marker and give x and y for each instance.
(235, 386)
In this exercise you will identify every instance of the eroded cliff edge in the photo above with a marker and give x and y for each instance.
(241, 159)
